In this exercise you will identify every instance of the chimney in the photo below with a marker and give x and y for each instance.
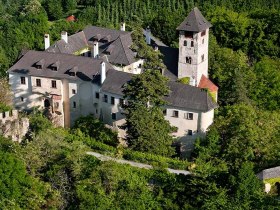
(47, 41)
(95, 49)
(103, 72)
(148, 35)
(123, 26)
(192, 81)
(64, 36)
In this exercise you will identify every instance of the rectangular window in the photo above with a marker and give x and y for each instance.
(164, 112)
(202, 58)
(175, 114)
(113, 100)
(73, 91)
(189, 116)
(38, 82)
(114, 116)
(53, 84)
(185, 43)
(74, 104)
(203, 33)
(121, 102)
(105, 98)
(96, 95)
(22, 80)
(190, 132)
(21, 99)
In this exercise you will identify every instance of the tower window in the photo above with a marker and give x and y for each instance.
(21, 99)
(202, 41)
(38, 82)
(96, 95)
(74, 104)
(202, 58)
(22, 80)
(203, 33)
(185, 43)
(73, 91)
(192, 44)
(164, 112)
(188, 60)
(188, 34)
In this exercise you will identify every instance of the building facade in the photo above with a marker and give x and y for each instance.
(71, 86)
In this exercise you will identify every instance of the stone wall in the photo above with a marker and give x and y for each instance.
(11, 126)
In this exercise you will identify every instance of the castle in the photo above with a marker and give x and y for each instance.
(85, 73)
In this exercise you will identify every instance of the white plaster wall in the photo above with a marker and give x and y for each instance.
(21, 90)
(107, 109)
(197, 67)
(181, 123)
(207, 119)
(132, 68)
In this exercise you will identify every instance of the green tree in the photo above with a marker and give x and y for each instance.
(94, 128)
(147, 130)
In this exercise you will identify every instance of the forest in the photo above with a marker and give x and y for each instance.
(50, 168)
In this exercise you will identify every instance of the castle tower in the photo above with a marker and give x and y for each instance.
(193, 47)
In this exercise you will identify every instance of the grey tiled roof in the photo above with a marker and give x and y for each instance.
(170, 60)
(114, 81)
(85, 68)
(120, 53)
(181, 96)
(76, 42)
(194, 22)
(119, 43)
(269, 173)
(189, 97)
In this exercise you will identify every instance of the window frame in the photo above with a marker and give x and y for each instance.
(188, 116)
(22, 80)
(38, 83)
(105, 98)
(112, 100)
(175, 114)
(114, 116)
(53, 84)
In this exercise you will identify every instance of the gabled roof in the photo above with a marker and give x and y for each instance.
(86, 68)
(76, 42)
(181, 95)
(194, 22)
(208, 84)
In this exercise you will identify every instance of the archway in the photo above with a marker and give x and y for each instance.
(47, 103)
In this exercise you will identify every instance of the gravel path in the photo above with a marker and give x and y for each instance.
(134, 164)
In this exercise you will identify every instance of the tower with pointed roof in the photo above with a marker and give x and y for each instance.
(193, 47)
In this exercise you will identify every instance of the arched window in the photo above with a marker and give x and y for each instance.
(185, 43)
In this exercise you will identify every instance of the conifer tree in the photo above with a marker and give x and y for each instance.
(147, 130)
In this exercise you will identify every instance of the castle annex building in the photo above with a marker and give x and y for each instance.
(85, 73)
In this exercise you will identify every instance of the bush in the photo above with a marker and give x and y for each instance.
(184, 80)
(96, 129)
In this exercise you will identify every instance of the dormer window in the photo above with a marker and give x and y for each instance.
(40, 64)
(55, 66)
